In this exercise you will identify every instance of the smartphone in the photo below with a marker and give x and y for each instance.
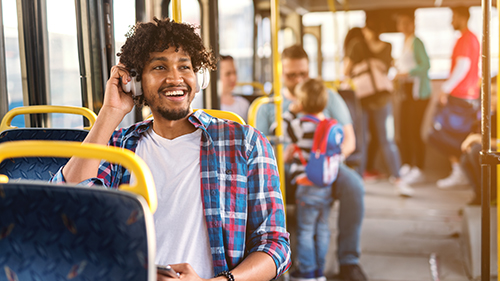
(167, 271)
(133, 85)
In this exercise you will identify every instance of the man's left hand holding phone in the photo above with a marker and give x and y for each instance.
(166, 270)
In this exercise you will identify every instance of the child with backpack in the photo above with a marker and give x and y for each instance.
(315, 156)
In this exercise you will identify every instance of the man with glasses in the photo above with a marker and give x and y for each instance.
(348, 188)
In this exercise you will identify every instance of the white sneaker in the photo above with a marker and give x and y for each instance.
(414, 176)
(404, 170)
(403, 189)
(457, 177)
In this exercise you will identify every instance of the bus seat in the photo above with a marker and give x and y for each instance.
(224, 115)
(228, 115)
(354, 160)
(39, 168)
(63, 232)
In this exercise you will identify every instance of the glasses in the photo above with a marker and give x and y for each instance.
(295, 75)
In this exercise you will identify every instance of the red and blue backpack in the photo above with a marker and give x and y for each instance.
(325, 157)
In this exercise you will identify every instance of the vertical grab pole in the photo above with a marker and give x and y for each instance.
(176, 10)
(498, 166)
(275, 16)
(338, 72)
(486, 145)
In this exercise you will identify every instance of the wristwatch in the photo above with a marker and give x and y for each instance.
(226, 274)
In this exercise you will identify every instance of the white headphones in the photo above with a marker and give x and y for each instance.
(134, 86)
(202, 79)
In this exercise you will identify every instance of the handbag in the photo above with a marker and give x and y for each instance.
(369, 77)
(451, 125)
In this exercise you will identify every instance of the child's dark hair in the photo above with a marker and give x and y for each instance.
(312, 95)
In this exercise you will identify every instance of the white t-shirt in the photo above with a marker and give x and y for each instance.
(239, 106)
(181, 230)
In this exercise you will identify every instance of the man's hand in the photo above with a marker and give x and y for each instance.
(288, 153)
(185, 270)
(295, 107)
(472, 138)
(115, 98)
(443, 98)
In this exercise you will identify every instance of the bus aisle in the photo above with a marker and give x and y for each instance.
(401, 235)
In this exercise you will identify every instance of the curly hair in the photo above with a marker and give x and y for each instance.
(159, 35)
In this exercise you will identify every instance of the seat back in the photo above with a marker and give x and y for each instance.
(54, 232)
(63, 232)
(40, 168)
(36, 168)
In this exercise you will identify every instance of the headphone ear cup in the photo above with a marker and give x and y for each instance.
(202, 79)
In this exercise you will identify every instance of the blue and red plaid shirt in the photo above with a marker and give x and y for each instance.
(242, 201)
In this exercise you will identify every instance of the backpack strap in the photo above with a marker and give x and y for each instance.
(310, 118)
(299, 152)
(320, 141)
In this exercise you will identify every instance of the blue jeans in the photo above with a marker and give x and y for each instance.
(313, 208)
(349, 190)
(313, 234)
(383, 122)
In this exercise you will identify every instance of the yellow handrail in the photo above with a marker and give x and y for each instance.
(498, 166)
(277, 92)
(224, 115)
(254, 108)
(254, 84)
(334, 85)
(143, 186)
(176, 11)
(7, 119)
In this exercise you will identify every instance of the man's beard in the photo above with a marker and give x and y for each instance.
(173, 114)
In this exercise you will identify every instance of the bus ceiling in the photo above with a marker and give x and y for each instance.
(305, 6)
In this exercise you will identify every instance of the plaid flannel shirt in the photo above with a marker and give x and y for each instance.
(242, 201)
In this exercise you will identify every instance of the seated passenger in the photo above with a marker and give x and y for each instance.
(228, 78)
(348, 188)
(228, 221)
(472, 145)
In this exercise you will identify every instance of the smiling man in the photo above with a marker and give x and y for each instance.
(220, 211)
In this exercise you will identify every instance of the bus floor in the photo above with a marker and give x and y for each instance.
(402, 236)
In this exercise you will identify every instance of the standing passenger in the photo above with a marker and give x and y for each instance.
(413, 67)
(348, 188)
(461, 90)
(313, 202)
(377, 107)
(217, 181)
(229, 77)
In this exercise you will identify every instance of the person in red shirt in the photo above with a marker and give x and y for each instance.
(462, 87)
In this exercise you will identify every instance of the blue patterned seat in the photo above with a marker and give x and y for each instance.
(57, 232)
(36, 168)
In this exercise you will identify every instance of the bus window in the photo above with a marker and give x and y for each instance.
(263, 61)
(433, 26)
(334, 27)
(12, 59)
(286, 38)
(236, 26)
(311, 47)
(64, 69)
(124, 19)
